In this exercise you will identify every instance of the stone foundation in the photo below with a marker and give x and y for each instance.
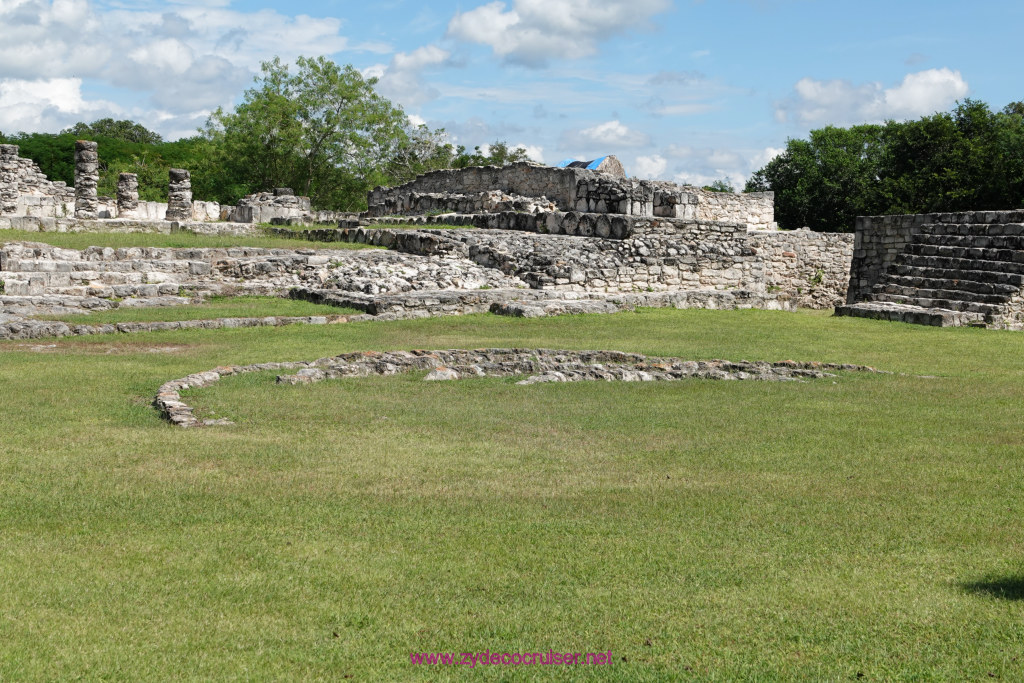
(535, 365)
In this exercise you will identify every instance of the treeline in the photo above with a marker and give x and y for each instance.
(969, 158)
(322, 130)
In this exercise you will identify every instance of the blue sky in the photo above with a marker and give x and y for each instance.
(682, 90)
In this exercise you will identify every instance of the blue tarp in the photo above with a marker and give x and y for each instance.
(590, 165)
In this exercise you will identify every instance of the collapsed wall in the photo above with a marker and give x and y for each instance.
(26, 191)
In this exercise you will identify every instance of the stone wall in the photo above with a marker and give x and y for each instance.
(574, 189)
(123, 225)
(879, 240)
(25, 191)
(812, 267)
(756, 210)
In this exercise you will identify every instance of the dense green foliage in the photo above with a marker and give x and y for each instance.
(326, 133)
(129, 131)
(970, 158)
(55, 155)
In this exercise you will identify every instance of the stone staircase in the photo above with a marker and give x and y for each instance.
(952, 274)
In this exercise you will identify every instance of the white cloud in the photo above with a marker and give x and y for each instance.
(46, 104)
(841, 102)
(704, 165)
(535, 152)
(402, 81)
(651, 167)
(608, 136)
(759, 160)
(185, 59)
(533, 32)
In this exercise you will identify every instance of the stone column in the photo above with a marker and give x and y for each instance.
(127, 195)
(8, 179)
(179, 195)
(87, 177)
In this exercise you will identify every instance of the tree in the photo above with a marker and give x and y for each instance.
(823, 182)
(722, 185)
(498, 153)
(968, 158)
(128, 131)
(323, 131)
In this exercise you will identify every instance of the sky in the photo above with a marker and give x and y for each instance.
(686, 90)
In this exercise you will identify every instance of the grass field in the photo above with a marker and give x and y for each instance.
(868, 526)
(81, 240)
(212, 307)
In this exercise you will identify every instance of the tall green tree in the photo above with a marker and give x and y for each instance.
(825, 181)
(323, 130)
(968, 158)
(128, 131)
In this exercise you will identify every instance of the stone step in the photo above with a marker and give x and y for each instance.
(959, 264)
(957, 274)
(1015, 242)
(128, 266)
(117, 291)
(916, 281)
(944, 294)
(949, 304)
(976, 253)
(978, 229)
(916, 315)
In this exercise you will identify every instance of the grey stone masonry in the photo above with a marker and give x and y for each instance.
(179, 195)
(264, 207)
(943, 269)
(25, 190)
(87, 178)
(127, 195)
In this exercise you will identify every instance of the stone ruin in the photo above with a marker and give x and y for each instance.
(535, 365)
(24, 189)
(942, 269)
(30, 201)
(546, 241)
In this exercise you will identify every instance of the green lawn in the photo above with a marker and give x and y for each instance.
(212, 307)
(700, 530)
(81, 240)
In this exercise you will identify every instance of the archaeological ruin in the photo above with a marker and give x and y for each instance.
(537, 241)
(519, 240)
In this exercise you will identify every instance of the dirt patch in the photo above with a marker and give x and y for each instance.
(101, 349)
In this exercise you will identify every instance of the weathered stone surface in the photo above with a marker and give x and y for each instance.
(539, 365)
(87, 178)
(179, 195)
(940, 269)
(127, 195)
(438, 375)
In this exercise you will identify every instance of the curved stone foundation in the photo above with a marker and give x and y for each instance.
(535, 365)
